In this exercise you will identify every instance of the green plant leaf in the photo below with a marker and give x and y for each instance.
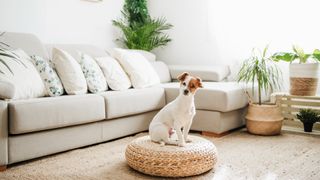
(284, 56)
(139, 30)
(260, 69)
(316, 54)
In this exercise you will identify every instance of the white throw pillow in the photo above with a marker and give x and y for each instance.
(93, 74)
(116, 78)
(19, 76)
(148, 55)
(69, 71)
(49, 76)
(140, 71)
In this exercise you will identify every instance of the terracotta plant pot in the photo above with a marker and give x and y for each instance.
(308, 127)
(304, 79)
(264, 119)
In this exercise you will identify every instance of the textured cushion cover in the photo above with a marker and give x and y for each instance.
(214, 96)
(133, 101)
(54, 112)
(206, 73)
(48, 75)
(69, 72)
(139, 69)
(93, 74)
(115, 76)
(23, 81)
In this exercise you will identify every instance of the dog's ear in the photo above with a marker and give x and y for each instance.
(182, 76)
(199, 81)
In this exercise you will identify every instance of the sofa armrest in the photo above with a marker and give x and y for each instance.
(3, 132)
(206, 73)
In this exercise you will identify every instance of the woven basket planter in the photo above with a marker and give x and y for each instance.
(264, 119)
(171, 161)
(304, 79)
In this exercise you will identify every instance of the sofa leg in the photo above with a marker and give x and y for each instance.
(211, 134)
(3, 168)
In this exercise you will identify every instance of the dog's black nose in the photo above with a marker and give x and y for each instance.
(185, 92)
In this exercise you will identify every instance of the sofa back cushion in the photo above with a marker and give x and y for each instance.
(27, 42)
(73, 50)
(162, 71)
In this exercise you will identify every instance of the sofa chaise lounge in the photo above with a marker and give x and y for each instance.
(32, 128)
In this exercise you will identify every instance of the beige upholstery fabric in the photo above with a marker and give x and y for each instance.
(32, 145)
(162, 71)
(28, 42)
(206, 73)
(214, 96)
(218, 122)
(3, 133)
(112, 129)
(133, 101)
(73, 49)
(48, 113)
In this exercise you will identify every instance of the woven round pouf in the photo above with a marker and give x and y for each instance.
(148, 157)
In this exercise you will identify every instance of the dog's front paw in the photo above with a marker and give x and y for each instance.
(182, 144)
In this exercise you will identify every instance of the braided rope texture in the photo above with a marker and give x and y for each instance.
(303, 86)
(148, 157)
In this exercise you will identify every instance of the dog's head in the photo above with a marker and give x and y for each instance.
(189, 84)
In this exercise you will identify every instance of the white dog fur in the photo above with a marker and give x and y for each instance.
(176, 115)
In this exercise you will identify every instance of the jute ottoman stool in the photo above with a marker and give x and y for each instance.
(171, 161)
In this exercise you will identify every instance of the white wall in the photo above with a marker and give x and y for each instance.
(62, 21)
(219, 31)
(225, 31)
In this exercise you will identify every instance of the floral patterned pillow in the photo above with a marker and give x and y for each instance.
(93, 74)
(48, 75)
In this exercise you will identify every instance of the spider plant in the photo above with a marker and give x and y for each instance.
(298, 53)
(140, 31)
(260, 69)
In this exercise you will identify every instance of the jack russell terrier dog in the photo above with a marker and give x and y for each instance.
(176, 115)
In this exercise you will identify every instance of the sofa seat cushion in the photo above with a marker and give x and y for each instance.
(48, 113)
(214, 96)
(133, 101)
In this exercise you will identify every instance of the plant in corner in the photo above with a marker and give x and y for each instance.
(304, 75)
(139, 30)
(261, 71)
(308, 117)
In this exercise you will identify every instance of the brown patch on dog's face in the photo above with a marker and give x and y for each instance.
(182, 76)
(194, 84)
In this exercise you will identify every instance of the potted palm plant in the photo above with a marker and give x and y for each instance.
(139, 29)
(262, 118)
(308, 117)
(304, 75)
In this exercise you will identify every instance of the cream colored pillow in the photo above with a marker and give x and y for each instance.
(116, 78)
(148, 55)
(19, 79)
(69, 71)
(140, 71)
(93, 74)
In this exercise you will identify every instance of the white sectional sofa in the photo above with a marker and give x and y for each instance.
(37, 127)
